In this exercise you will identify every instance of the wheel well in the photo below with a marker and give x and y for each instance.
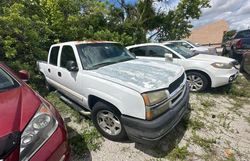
(205, 74)
(92, 100)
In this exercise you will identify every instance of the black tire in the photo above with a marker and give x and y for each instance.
(193, 84)
(99, 109)
(48, 86)
(224, 51)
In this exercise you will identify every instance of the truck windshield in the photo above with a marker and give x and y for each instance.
(6, 81)
(185, 52)
(97, 55)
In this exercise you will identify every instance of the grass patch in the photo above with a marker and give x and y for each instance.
(194, 124)
(203, 142)
(81, 140)
(62, 108)
(247, 119)
(239, 88)
(180, 153)
(207, 102)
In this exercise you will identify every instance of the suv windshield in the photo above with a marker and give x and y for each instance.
(186, 53)
(194, 44)
(97, 55)
(6, 81)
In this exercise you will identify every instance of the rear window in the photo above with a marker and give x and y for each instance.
(6, 81)
(139, 51)
(243, 34)
(54, 55)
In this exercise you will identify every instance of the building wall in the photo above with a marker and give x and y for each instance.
(210, 33)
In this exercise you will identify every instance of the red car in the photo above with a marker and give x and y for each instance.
(30, 127)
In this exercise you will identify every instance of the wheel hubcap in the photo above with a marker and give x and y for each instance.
(195, 82)
(108, 122)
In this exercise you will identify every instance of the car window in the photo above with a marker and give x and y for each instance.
(54, 55)
(139, 51)
(158, 51)
(186, 53)
(67, 55)
(243, 34)
(186, 45)
(6, 81)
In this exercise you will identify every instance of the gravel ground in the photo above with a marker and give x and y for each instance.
(218, 129)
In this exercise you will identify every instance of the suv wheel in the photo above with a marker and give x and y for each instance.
(107, 121)
(197, 82)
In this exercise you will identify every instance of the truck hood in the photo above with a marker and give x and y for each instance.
(211, 58)
(16, 109)
(141, 75)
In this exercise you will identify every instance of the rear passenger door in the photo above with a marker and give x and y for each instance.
(52, 68)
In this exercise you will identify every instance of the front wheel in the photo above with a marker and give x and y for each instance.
(107, 121)
(197, 81)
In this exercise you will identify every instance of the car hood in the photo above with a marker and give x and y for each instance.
(17, 109)
(211, 58)
(141, 75)
(205, 50)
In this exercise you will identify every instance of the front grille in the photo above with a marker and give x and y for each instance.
(173, 86)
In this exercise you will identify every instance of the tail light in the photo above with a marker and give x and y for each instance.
(239, 44)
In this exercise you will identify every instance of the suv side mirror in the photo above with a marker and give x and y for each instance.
(168, 57)
(72, 66)
(133, 54)
(23, 75)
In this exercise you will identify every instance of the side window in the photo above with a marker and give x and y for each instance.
(186, 45)
(66, 55)
(157, 51)
(139, 51)
(53, 55)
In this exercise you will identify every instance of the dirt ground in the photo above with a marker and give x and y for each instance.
(218, 129)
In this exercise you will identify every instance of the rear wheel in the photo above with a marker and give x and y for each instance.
(47, 85)
(197, 81)
(106, 119)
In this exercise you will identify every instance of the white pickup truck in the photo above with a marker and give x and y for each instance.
(141, 99)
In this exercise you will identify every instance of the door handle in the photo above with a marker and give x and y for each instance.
(59, 74)
(49, 70)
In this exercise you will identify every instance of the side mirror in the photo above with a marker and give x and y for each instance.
(168, 57)
(72, 66)
(133, 54)
(24, 75)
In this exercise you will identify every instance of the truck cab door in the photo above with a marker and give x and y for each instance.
(51, 68)
(69, 79)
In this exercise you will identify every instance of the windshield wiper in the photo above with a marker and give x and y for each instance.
(127, 59)
(102, 65)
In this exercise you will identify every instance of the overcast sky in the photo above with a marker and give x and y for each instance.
(235, 12)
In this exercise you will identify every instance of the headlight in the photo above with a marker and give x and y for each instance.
(37, 132)
(151, 99)
(222, 65)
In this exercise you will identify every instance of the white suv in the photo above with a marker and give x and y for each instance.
(202, 70)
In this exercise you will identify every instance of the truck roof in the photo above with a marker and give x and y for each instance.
(84, 42)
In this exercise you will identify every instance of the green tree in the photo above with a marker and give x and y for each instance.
(165, 24)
